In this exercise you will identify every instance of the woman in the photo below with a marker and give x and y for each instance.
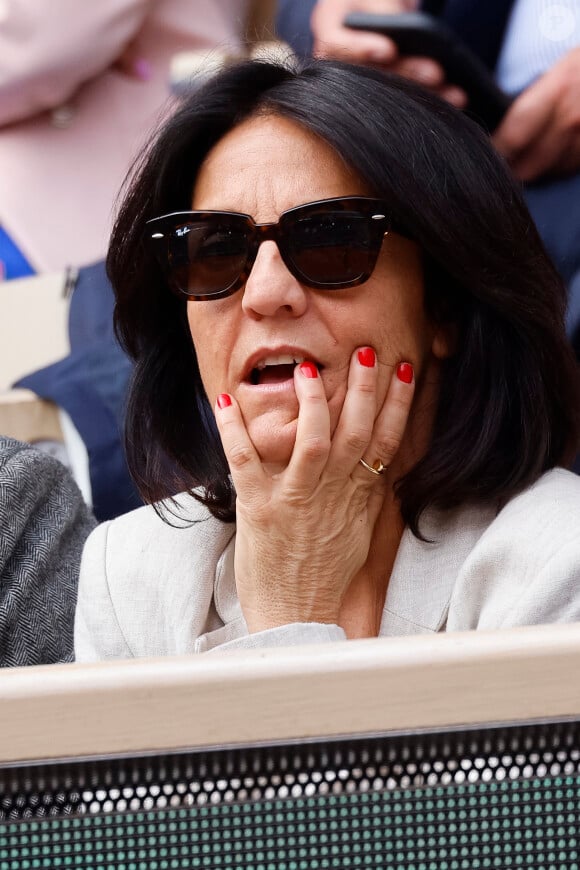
(338, 267)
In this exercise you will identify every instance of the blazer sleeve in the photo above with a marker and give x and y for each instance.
(97, 632)
(525, 569)
(48, 48)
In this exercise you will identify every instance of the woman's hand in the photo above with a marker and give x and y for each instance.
(303, 534)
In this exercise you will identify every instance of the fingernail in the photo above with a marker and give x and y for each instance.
(367, 357)
(405, 372)
(142, 69)
(426, 75)
(223, 400)
(309, 370)
(380, 54)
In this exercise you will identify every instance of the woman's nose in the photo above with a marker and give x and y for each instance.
(271, 289)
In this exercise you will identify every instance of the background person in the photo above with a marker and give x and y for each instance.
(330, 268)
(43, 526)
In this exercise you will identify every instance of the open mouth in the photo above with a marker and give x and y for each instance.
(275, 370)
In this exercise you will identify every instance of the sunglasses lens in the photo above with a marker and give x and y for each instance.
(334, 248)
(326, 245)
(207, 257)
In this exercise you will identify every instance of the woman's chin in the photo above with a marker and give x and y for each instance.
(274, 441)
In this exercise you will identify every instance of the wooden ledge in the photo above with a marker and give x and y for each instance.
(351, 688)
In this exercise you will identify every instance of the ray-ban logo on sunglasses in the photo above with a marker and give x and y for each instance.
(180, 231)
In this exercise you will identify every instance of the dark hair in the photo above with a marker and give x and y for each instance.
(508, 407)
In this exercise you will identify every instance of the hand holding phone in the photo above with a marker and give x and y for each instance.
(333, 39)
(422, 35)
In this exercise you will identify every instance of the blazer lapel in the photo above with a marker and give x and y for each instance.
(424, 573)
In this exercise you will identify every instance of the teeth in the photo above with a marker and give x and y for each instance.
(282, 359)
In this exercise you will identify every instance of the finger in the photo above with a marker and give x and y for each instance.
(355, 425)
(245, 465)
(529, 116)
(454, 95)
(553, 150)
(391, 421)
(542, 156)
(552, 101)
(431, 75)
(356, 47)
(312, 445)
(422, 70)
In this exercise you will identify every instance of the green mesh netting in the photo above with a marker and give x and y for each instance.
(531, 823)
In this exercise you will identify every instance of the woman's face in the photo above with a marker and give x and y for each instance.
(262, 167)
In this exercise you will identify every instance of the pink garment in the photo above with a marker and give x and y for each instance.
(71, 122)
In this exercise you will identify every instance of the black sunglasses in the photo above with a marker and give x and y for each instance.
(327, 245)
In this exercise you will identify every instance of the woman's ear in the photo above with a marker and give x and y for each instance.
(445, 340)
(444, 301)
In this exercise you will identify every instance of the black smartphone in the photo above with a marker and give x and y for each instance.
(416, 33)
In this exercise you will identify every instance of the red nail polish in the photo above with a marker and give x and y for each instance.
(308, 369)
(405, 372)
(367, 357)
(223, 400)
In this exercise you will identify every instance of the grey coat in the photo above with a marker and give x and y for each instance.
(43, 526)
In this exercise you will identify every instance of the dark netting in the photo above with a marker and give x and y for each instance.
(462, 800)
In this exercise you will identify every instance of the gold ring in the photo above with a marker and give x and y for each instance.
(376, 468)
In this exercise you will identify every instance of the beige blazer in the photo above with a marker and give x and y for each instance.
(150, 589)
(71, 122)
